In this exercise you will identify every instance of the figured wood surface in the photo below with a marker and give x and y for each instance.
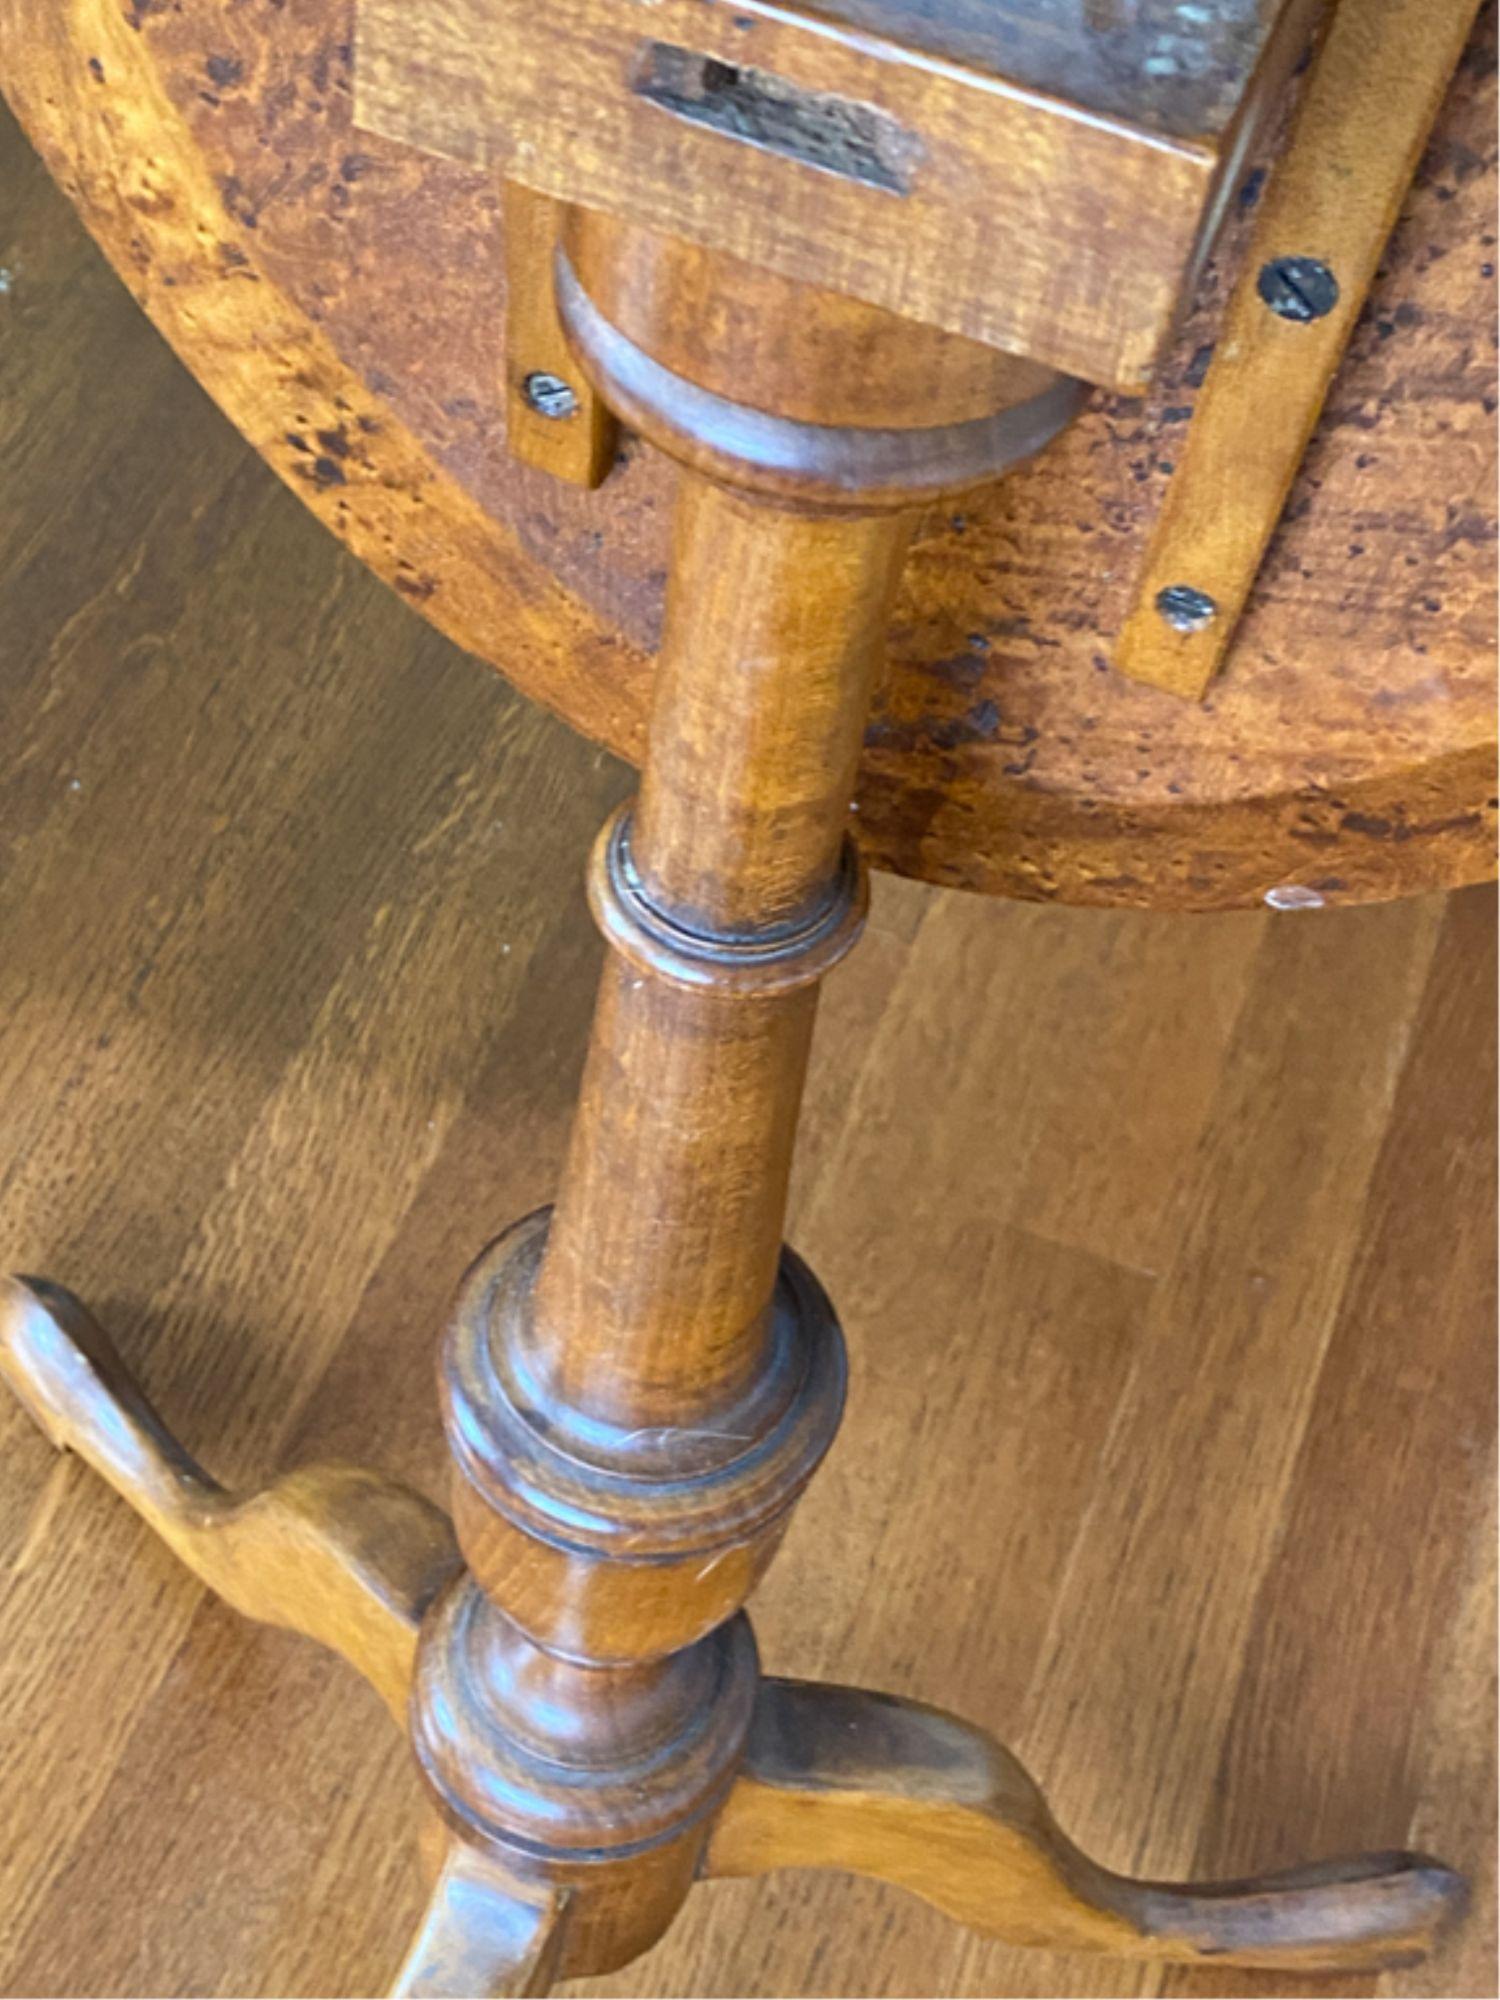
(1362, 124)
(1164, 1248)
(292, 264)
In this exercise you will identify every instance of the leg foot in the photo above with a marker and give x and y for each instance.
(348, 1558)
(838, 1778)
(481, 1940)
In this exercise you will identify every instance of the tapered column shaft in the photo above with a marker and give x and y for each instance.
(776, 624)
(651, 1304)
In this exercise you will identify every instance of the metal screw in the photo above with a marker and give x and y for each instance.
(549, 395)
(1298, 288)
(1184, 608)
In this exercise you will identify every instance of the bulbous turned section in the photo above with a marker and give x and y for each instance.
(527, 1749)
(777, 343)
(598, 1780)
(615, 1545)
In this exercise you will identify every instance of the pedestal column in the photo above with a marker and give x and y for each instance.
(639, 1382)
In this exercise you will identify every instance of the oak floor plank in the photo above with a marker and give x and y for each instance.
(328, 1906)
(1125, 1729)
(255, 896)
(1162, 1246)
(1326, 1739)
(1455, 1759)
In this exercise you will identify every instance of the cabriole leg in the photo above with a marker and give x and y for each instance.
(839, 1778)
(335, 1552)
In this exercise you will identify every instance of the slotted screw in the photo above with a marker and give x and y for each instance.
(1298, 288)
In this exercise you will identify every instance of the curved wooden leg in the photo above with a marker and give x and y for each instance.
(348, 1558)
(839, 1778)
(479, 1939)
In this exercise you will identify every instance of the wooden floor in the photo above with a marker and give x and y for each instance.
(1163, 1245)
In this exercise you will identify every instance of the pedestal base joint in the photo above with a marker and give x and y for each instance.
(600, 1782)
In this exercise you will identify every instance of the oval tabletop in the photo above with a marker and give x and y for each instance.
(343, 299)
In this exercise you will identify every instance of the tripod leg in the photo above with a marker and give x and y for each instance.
(479, 1939)
(838, 1778)
(348, 1558)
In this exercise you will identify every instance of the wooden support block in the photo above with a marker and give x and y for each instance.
(554, 419)
(1361, 126)
(1043, 188)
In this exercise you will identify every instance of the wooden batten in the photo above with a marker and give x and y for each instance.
(554, 418)
(1362, 122)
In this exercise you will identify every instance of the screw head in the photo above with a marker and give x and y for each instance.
(1186, 609)
(549, 395)
(1298, 288)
